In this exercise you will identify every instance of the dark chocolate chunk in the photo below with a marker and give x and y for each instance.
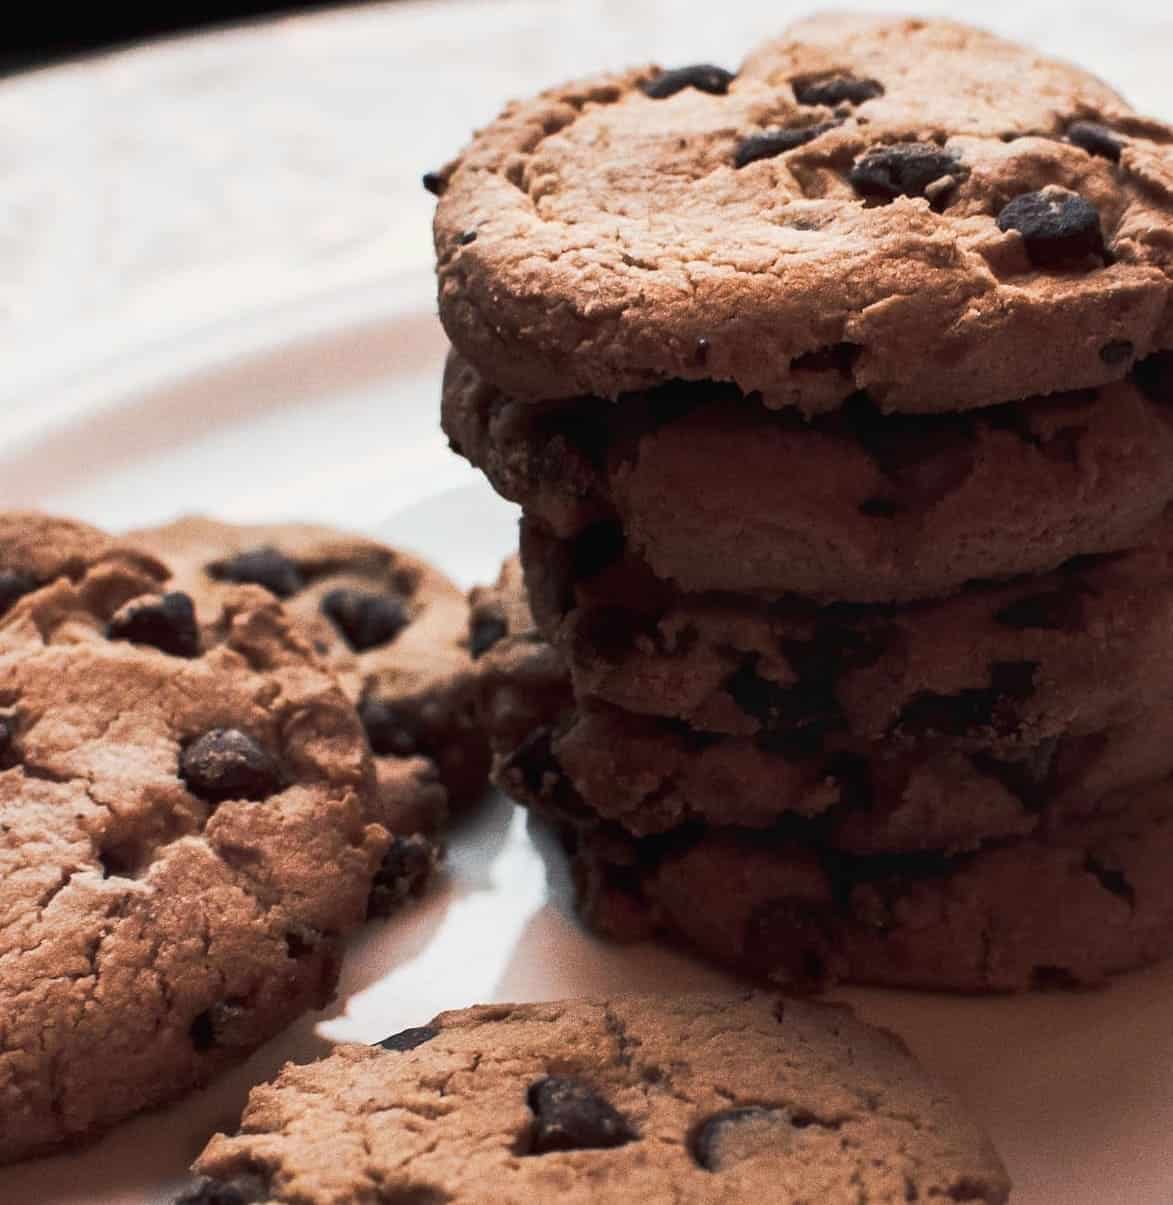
(777, 141)
(14, 585)
(793, 941)
(226, 763)
(244, 1190)
(404, 872)
(595, 549)
(435, 183)
(702, 76)
(1154, 377)
(571, 1116)
(168, 625)
(1057, 227)
(1051, 610)
(1096, 139)
(389, 731)
(469, 236)
(975, 707)
(365, 619)
(261, 567)
(902, 169)
(836, 90)
(409, 1039)
(703, 346)
(484, 632)
(721, 1140)
(7, 738)
(837, 357)
(1116, 352)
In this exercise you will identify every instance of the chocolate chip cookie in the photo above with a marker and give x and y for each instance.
(187, 831)
(392, 628)
(908, 207)
(994, 667)
(587, 762)
(690, 1099)
(1063, 909)
(717, 493)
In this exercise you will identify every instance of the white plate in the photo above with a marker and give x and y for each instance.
(218, 298)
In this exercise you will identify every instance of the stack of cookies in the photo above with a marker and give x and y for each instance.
(836, 395)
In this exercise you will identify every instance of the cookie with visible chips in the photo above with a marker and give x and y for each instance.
(684, 1098)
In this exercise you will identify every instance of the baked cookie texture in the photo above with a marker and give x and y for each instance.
(716, 493)
(996, 667)
(392, 628)
(687, 1099)
(920, 867)
(908, 207)
(188, 828)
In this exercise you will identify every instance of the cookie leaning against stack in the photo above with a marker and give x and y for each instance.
(846, 491)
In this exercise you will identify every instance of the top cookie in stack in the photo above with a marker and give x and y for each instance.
(911, 208)
(836, 394)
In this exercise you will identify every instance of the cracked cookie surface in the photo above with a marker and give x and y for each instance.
(684, 1099)
(909, 207)
(995, 667)
(187, 830)
(394, 630)
(716, 493)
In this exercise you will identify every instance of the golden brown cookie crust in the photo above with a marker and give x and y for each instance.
(742, 1099)
(558, 277)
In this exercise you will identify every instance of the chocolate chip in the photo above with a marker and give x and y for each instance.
(729, 1137)
(571, 1116)
(1096, 139)
(367, 620)
(1110, 879)
(1116, 352)
(777, 141)
(533, 764)
(226, 763)
(1050, 610)
(1153, 376)
(772, 704)
(469, 236)
(435, 183)
(261, 567)
(168, 625)
(390, 732)
(703, 347)
(902, 169)
(1057, 227)
(836, 357)
(836, 90)
(484, 632)
(793, 941)
(596, 549)
(409, 1039)
(702, 76)
(14, 585)
(243, 1190)
(404, 872)
(8, 751)
(214, 1026)
(973, 708)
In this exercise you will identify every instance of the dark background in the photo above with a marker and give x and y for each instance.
(47, 33)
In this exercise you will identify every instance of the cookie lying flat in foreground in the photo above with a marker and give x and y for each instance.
(683, 1099)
